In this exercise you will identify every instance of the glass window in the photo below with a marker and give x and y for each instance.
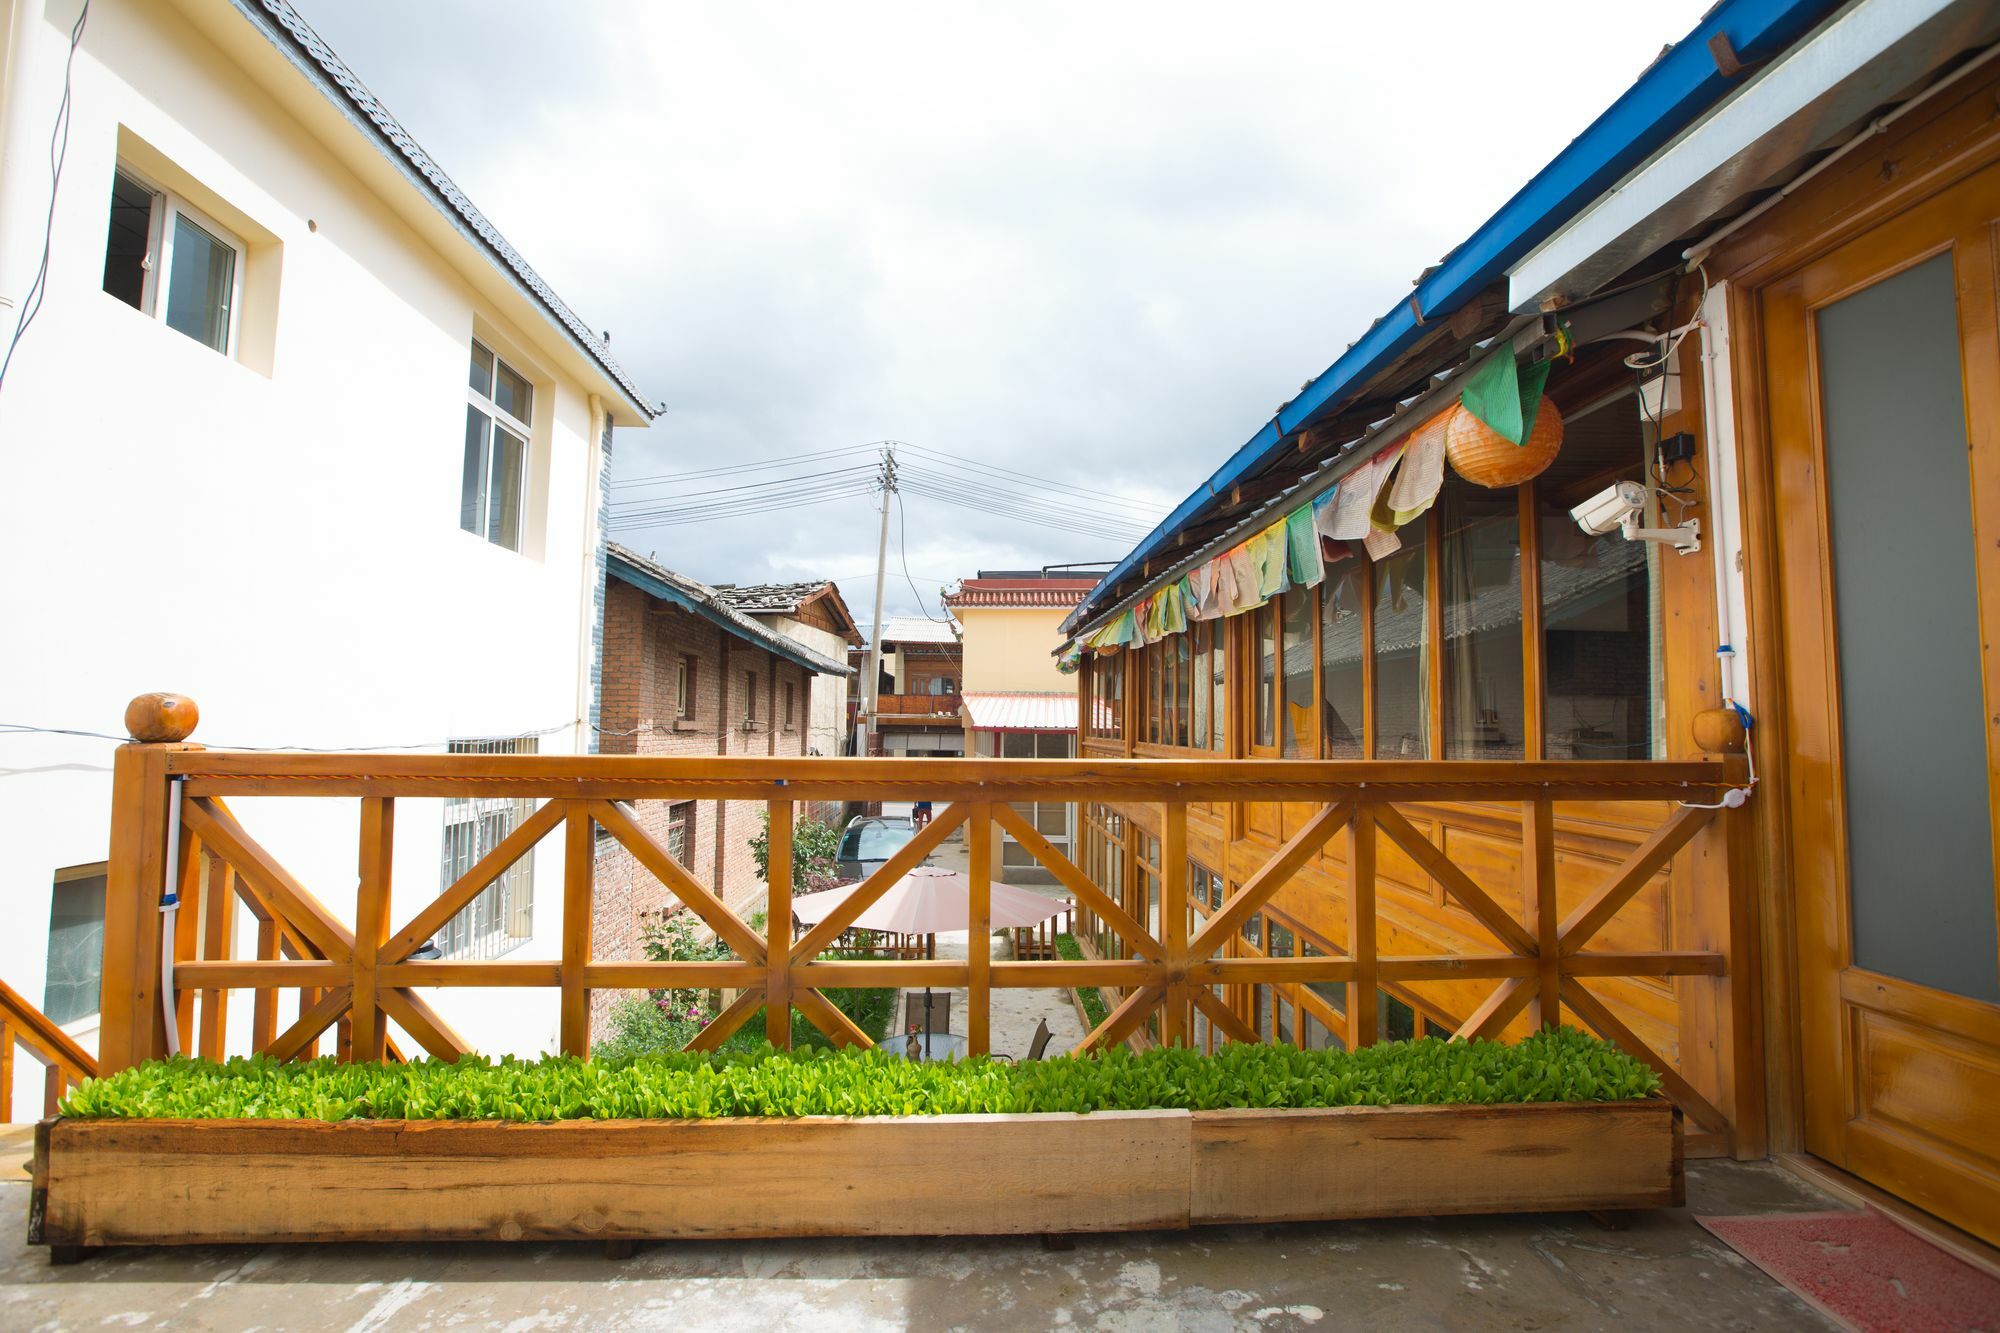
(502, 916)
(1333, 992)
(1600, 601)
(1402, 652)
(1397, 1021)
(1183, 685)
(201, 284)
(1203, 634)
(1484, 703)
(1266, 704)
(76, 945)
(1153, 664)
(155, 245)
(1299, 649)
(1218, 683)
(1280, 942)
(492, 485)
(1253, 930)
(1341, 644)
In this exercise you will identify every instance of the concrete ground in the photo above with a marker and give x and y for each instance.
(1521, 1272)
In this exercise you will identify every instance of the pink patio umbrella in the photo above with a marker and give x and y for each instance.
(928, 900)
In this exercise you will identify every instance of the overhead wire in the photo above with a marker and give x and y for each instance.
(903, 549)
(31, 303)
(758, 466)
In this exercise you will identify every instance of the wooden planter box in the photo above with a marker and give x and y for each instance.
(172, 1182)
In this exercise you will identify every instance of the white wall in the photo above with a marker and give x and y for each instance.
(828, 717)
(283, 546)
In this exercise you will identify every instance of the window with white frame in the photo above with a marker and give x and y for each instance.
(499, 412)
(684, 689)
(503, 915)
(167, 259)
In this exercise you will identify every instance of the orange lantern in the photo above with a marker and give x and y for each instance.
(1485, 457)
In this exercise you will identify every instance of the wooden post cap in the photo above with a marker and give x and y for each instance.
(157, 719)
(1718, 731)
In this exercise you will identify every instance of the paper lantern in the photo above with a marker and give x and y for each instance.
(1485, 457)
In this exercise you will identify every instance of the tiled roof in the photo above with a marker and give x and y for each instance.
(1021, 712)
(913, 629)
(1051, 593)
(309, 51)
(657, 580)
(768, 598)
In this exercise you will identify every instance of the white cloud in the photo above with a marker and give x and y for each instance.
(1097, 243)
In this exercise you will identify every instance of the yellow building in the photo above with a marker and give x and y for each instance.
(1016, 704)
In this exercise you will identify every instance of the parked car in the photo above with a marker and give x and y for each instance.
(869, 840)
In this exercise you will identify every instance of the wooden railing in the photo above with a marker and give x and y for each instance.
(26, 1028)
(364, 973)
(917, 705)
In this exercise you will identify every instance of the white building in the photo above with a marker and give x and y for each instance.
(235, 441)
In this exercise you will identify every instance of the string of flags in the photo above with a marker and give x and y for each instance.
(1367, 506)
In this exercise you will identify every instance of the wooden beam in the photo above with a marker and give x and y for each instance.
(827, 1017)
(1538, 902)
(1645, 861)
(316, 1019)
(1491, 1018)
(869, 892)
(1088, 895)
(1174, 913)
(1364, 990)
(371, 921)
(218, 942)
(1222, 1016)
(1455, 882)
(732, 1017)
(979, 933)
(293, 904)
(1272, 876)
(422, 1022)
(473, 882)
(1599, 1018)
(579, 874)
(778, 924)
(729, 927)
(1122, 1021)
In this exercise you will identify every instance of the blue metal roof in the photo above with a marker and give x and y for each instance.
(1671, 95)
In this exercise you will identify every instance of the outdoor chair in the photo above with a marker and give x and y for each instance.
(1035, 1047)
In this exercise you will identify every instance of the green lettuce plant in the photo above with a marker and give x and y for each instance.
(1557, 1066)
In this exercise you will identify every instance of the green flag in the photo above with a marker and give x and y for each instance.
(1503, 395)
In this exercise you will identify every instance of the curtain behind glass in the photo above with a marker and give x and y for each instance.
(1402, 649)
(1298, 651)
(1341, 647)
(1484, 703)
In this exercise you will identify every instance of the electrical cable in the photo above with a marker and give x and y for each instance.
(1053, 505)
(1024, 476)
(784, 461)
(31, 303)
(903, 549)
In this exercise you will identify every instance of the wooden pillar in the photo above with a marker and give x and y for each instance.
(1538, 903)
(778, 927)
(187, 934)
(6, 1073)
(371, 923)
(218, 942)
(1534, 687)
(264, 1008)
(1174, 921)
(131, 1027)
(979, 933)
(576, 922)
(1362, 994)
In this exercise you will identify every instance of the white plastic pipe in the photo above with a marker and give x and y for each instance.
(169, 909)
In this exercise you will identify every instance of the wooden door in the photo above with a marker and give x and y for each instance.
(1884, 392)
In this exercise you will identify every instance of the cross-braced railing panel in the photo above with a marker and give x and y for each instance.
(359, 979)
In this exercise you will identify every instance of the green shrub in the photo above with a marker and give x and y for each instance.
(1565, 1065)
(1089, 997)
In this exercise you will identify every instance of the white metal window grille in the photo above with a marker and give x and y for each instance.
(503, 915)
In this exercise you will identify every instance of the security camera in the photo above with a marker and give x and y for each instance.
(1612, 507)
(1620, 507)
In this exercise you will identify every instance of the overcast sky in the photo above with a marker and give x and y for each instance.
(1093, 244)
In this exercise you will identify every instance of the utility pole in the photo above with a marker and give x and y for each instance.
(865, 733)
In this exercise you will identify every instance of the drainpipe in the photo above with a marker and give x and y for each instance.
(170, 909)
(587, 612)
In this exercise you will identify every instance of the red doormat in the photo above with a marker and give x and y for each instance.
(1865, 1272)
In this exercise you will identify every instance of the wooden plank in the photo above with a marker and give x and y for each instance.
(731, 1018)
(579, 868)
(729, 927)
(905, 859)
(1088, 894)
(1272, 876)
(1538, 905)
(1653, 963)
(1122, 1021)
(479, 972)
(316, 1018)
(473, 882)
(418, 1019)
(1419, 1161)
(1124, 973)
(218, 942)
(1491, 1018)
(246, 974)
(845, 974)
(1174, 913)
(6, 1074)
(979, 932)
(778, 924)
(838, 1027)
(126, 1182)
(646, 976)
(1363, 990)
(1645, 861)
(1457, 884)
(371, 923)
(130, 1028)
(1605, 1024)
(218, 829)
(187, 938)
(264, 1008)
(1227, 1020)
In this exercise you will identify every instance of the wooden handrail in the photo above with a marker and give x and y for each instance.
(362, 979)
(23, 1025)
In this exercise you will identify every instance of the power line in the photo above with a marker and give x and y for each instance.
(1054, 505)
(903, 548)
(1042, 481)
(772, 483)
(31, 304)
(762, 465)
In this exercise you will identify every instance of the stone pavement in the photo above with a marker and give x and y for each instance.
(1517, 1272)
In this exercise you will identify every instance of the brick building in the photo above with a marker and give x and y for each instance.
(814, 614)
(685, 674)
